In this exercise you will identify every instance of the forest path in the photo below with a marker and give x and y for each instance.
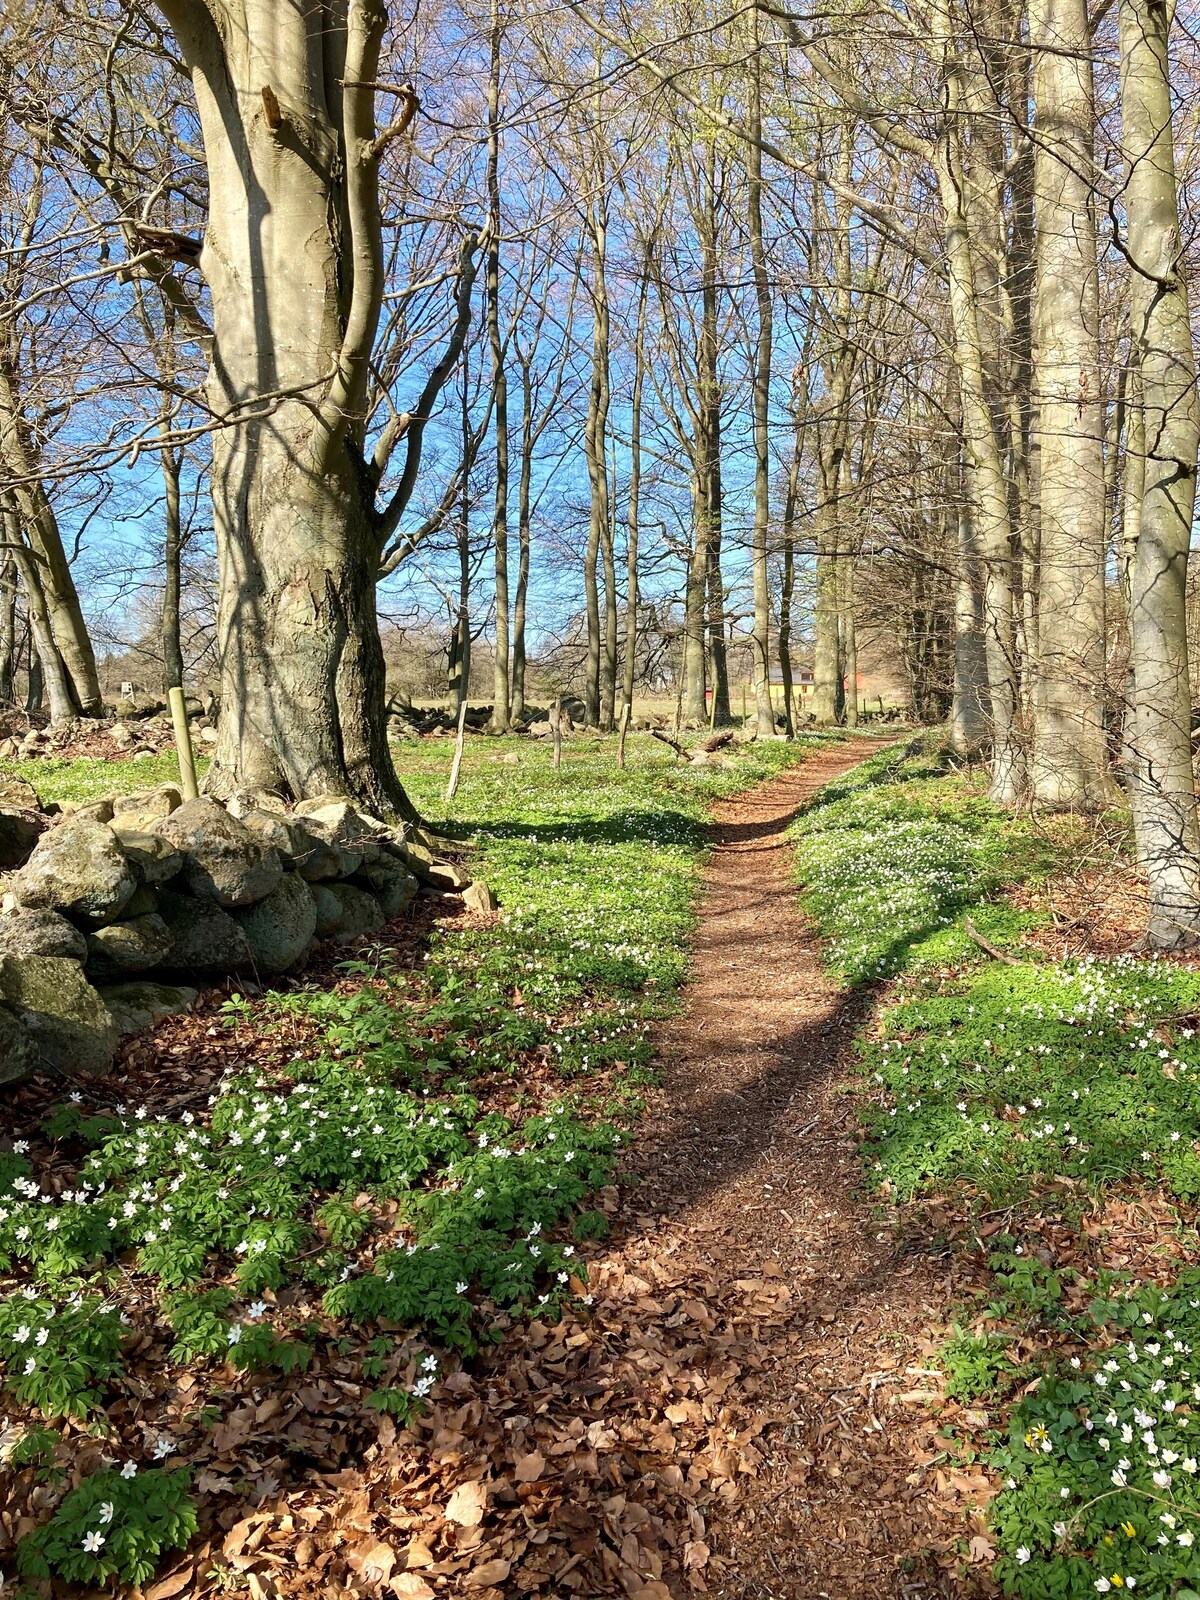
(814, 1318)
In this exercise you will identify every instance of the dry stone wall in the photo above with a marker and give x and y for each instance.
(113, 913)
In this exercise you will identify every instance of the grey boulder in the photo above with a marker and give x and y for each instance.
(78, 867)
(156, 860)
(361, 912)
(244, 801)
(18, 1052)
(391, 883)
(354, 835)
(20, 831)
(204, 938)
(124, 947)
(328, 910)
(140, 1004)
(148, 805)
(299, 847)
(68, 1023)
(280, 928)
(223, 859)
(29, 932)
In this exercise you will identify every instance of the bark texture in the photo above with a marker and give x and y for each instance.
(1163, 789)
(1069, 765)
(293, 257)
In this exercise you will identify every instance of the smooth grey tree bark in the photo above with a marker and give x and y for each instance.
(501, 691)
(984, 466)
(1069, 759)
(293, 257)
(1163, 789)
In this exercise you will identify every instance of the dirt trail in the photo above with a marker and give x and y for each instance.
(749, 1189)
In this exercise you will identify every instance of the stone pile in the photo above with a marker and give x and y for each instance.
(112, 913)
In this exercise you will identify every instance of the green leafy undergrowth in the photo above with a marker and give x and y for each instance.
(1008, 1078)
(58, 779)
(894, 854)
(1100, 1461)
(1042, 1091)
(113, 1525)
(59, 1358)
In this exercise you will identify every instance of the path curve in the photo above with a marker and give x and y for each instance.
(749, 1188)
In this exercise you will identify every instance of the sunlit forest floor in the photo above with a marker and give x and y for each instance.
(828, 1235)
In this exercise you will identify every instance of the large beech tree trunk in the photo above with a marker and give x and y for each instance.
(1069, 765)
(1165, 439)
(293, 259)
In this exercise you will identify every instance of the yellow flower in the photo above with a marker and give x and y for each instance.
(1108, 1538)
(1128, 1529)
(1035, 1436)
(1118, 1582)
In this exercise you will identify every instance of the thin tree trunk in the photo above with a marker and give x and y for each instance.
(695, 708)
(172, 645)
(985, 473)
(710, 404)
(459, 675)
(761, 639)
(524, 516)
(848, 633)
(501, 690)
(596, 454)
(608, 663)
(970, 710)
(52, 680)
(1069, 765)
(1133, 492)
(635, 490)
(8, 629)
(787, 584)
(828, 699)
(62, 608)
(1164, 790)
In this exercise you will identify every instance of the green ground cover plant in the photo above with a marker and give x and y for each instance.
(894, 854)
(416, 1171)
(58, 780)
(1037, 1089)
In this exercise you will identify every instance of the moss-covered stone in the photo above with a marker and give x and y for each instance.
(68, 1022)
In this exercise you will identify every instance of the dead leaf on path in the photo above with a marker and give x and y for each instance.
(242, 1535)
(409, 1587)
(490, 1572)
(695, 1554)
(418, 1554)
(467, 1504)
(530, 1468)
(175, 1584)
(372, 1560)
(981, 1549)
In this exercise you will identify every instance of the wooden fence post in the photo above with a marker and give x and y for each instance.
(183, 744)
